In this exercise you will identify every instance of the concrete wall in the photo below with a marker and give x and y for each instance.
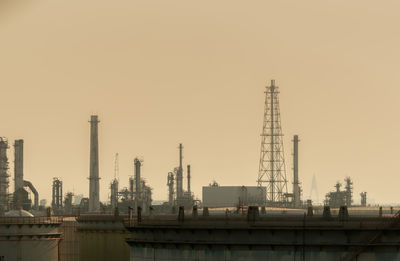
(229, 196)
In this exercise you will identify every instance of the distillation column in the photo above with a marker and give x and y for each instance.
(94, 203)
(188, 179)
(4, 183)
(138, 193)
(170, 183)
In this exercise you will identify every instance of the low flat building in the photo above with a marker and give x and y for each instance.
(216, 196)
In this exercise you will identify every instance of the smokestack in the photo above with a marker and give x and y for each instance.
(188, 178)
(137, 179)
(94, 203)
(18, 165)
(179, 178)
(296, 188)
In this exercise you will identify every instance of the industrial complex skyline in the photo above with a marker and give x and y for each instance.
(157, 79)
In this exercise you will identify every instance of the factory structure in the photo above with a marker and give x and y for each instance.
(269, 220)
(177, 196)
(272, 187)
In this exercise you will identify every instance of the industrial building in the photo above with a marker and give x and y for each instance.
(339, 197)
(179, 197)
(215, 196)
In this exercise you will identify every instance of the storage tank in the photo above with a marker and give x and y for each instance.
(25, 237)
(102, 237)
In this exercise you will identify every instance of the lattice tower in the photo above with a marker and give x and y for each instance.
(272, 168)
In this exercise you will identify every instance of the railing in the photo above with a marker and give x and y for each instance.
(31, 220)
(388, 223)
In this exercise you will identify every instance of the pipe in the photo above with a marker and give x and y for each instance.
(34, 191)
(18, 164)
(137, 178)
(179, 177)
(296, 188)
(188, 178)
(170, 183)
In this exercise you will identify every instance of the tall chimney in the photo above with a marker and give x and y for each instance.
(179, 178)
(137, 178)
(296, 187)
(188, 178)
(94, 203)
(18, 164)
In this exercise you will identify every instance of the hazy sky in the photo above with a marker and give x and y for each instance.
(163, 72)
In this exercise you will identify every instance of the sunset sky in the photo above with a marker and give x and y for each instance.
(163, 72)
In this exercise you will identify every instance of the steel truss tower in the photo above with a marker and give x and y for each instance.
(272, 169)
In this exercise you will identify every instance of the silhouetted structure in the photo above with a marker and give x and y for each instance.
(57, 195)
(4, 176)
(272, 169)
(94, 203)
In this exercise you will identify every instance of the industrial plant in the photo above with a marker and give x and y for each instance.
(271, 220)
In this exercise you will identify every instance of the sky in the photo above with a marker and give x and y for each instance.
(159, 73)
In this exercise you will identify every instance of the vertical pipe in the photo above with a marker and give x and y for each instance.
(94, 203)
(57, 194)
(18, 164)
(179, 178)
(170, 188)
(296, 188)
(137, 179)
(53, 195)
(61, 194)
(131, 184)
(188, 179)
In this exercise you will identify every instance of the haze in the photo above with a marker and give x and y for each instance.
(163, 72)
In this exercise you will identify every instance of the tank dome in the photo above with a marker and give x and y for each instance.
(18, 213)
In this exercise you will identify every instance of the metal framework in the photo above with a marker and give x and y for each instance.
(272, 168)
(57, 194)
(4, 176)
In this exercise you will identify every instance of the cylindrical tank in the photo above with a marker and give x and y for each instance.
(102, 237)
(24, 237)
